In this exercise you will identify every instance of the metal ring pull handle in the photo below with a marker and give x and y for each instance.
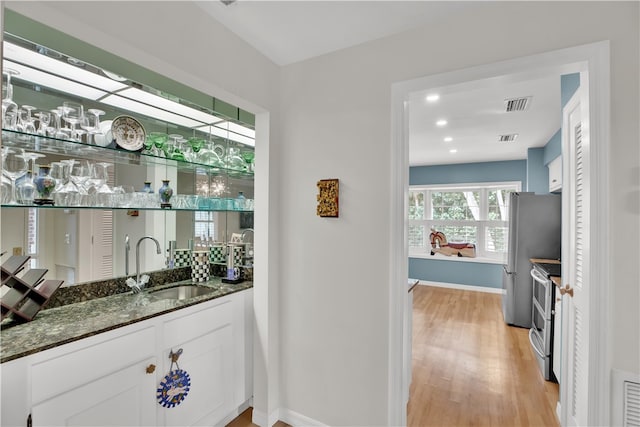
(567, 290)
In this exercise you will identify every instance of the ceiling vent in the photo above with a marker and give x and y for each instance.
(517, 104)
(508, 137)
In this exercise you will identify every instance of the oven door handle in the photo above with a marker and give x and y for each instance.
(538, 277)
(533, 344)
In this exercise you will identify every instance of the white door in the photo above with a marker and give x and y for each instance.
(574, 385)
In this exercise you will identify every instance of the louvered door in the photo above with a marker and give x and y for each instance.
(575, 373)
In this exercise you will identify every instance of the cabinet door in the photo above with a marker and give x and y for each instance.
(206, 340)
(555, 174)
(209, 363)
(123, 398)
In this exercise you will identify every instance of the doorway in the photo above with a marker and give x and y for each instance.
(591, 59)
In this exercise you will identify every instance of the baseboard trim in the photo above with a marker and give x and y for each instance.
(295, 419)
(261, 419)
(487, 289)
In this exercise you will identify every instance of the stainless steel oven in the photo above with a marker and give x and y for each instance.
(542, 312)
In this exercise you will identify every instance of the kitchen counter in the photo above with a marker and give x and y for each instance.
(57, 326)
(557, 280)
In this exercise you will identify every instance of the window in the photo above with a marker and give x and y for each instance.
(204, 227)
(473, 213)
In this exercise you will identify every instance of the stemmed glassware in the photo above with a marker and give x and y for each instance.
(44, 118)
(79, 175)
(7, 102)
(32, 156)
(103, 191)
(248, 156)
(72, 113)
(95, 129)
(14, 165)
(159, 143)
(26, 119)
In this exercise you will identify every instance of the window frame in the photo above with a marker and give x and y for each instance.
(481, 224)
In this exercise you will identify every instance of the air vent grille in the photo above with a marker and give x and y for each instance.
(631, 404)
(517, 104)
(508, 137)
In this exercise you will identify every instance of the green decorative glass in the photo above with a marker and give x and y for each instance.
(248, 157)
(159, 140)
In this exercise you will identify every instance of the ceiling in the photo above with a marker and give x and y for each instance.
(291, 31)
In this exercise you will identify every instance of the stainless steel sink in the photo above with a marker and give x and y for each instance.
(182, 292)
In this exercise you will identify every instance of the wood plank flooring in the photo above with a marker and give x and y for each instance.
(470, 368)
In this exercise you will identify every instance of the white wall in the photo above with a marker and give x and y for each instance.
(334, 274)
(331, 309)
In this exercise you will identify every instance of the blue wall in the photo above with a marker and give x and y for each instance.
(513, 170)
(465, 273)
(553, 148)
(569, 83)
(455, 271)
(537, 173)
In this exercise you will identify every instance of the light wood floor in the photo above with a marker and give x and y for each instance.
(469, 367)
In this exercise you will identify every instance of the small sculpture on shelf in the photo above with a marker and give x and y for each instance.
(165, 194)
(45, 185)
(440, 245)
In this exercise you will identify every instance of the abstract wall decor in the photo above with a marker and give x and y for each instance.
(328, 198)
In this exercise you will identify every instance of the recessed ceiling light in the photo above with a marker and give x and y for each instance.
(453, 151)
(441, 122)
(433, 97)
(448, 139)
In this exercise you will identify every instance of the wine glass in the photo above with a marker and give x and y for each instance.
(33, 157)
(96, 130)
(14, 165)
(44, 118)
(248, 156)
(27, 120)
(7, 102)
(72, 113)
(196, 145)
(79, 175)
(5, 181)
(67, 190)
(159, 143)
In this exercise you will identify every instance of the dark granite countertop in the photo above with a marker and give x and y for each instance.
(72, 322)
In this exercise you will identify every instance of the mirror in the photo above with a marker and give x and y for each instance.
(80, 245)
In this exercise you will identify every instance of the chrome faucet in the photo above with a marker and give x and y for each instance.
(126, 254)
(141, 282)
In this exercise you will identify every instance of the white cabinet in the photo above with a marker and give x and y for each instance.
(555, 174)
(110, 379)
(123, 398)
(206, 340)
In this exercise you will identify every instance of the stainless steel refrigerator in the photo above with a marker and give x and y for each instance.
(535, 231)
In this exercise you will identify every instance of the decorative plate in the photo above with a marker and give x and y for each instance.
(173, 388)
(106, 137)
(128, 133)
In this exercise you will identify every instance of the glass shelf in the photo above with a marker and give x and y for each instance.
(80, 150)
(203, 208)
